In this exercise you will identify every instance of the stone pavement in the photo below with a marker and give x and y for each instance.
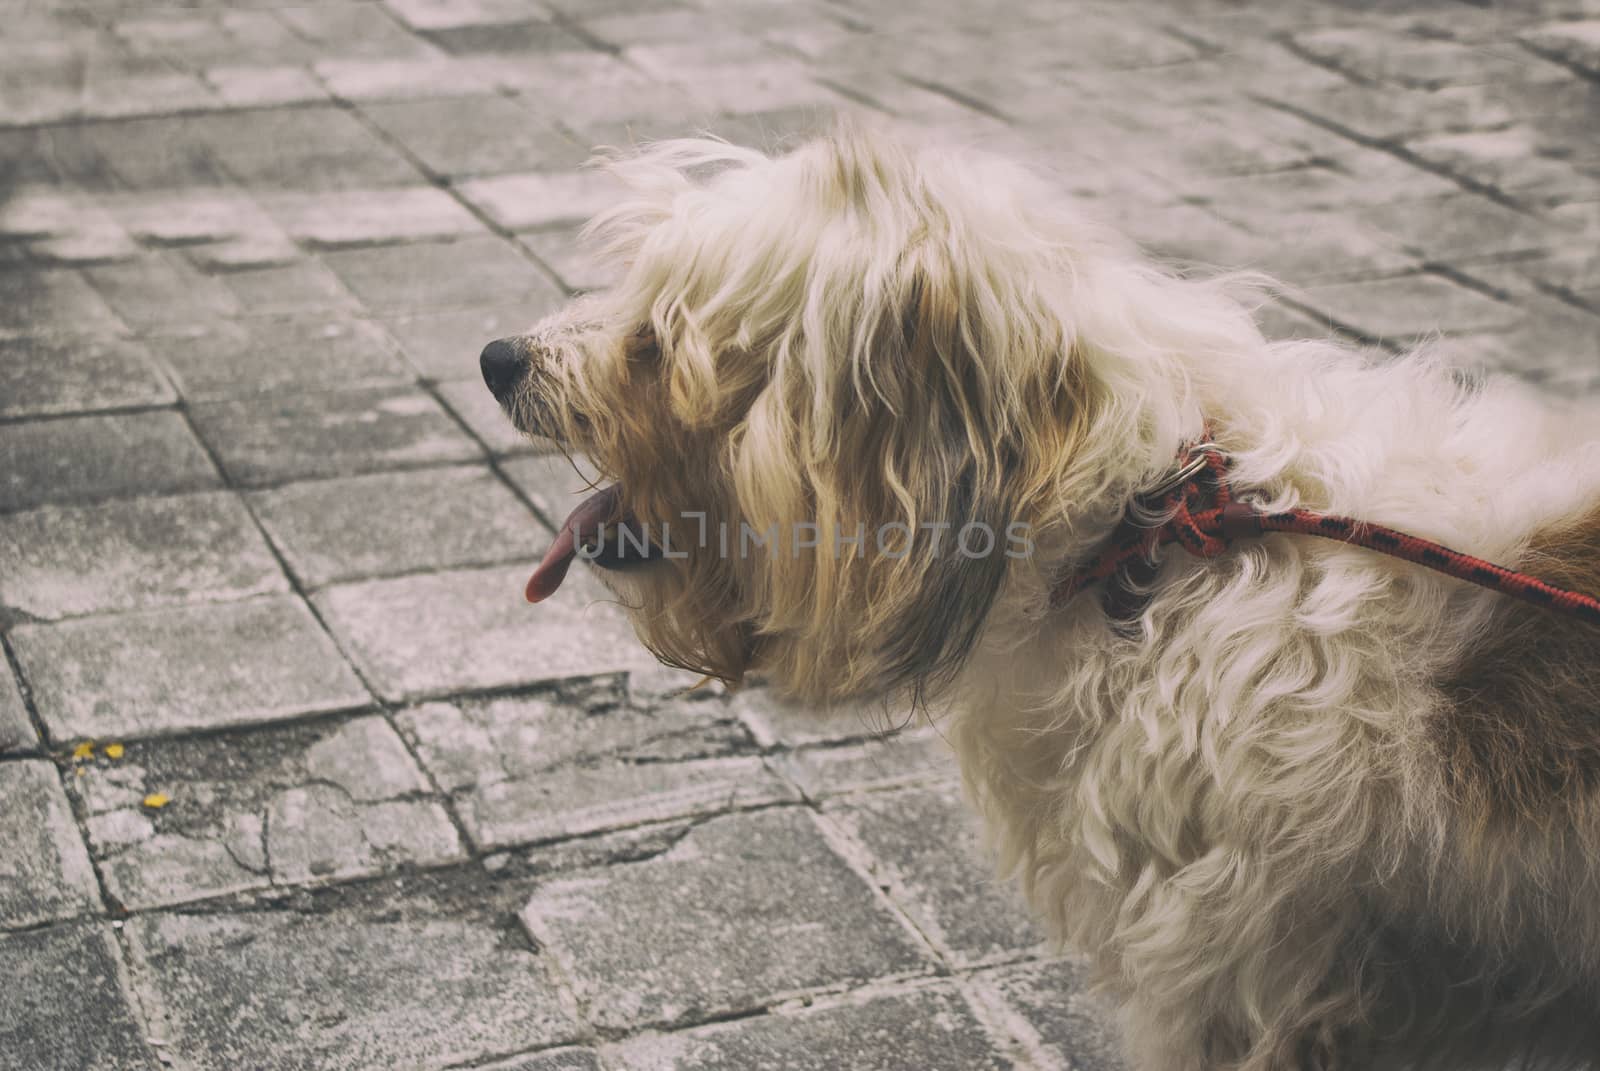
(289, 775)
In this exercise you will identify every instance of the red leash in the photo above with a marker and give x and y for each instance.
(1205, 518)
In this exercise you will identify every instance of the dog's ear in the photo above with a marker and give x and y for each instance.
(902, 438)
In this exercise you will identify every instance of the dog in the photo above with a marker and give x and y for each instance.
(1302, 805)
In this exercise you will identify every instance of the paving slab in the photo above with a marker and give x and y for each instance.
(392, 79)
(293, 287)
(445, 14)
(1579, 222)
(1573, 272)
(554, 482)
(776, 722)
(586, 760)
(438, 275)
(1279, 321)
(1463, 228)
(1317, 245)
(29, 101)
(145, 155)
(1386, 175)
(481, 134)
(313, 803)
(313, 148)
(401, 522)
(542, 199)
(63, 227)
(66, 374)
(44, 872)
(66, 1006)
(187, 667)
(162, 288)
(594, 8)
(772, 131)
(445, 345)
(743, 911)
(16, 730)
(737, 85)
(1557, 112)
(273, 439)
(197, 38)
(481, 413)
(246, 358)
(675, 24)
(1507, 161)
(469, 629)
(251, 250)
(1054, 999)
(91, 457)
(136, 86)
(255, 86)
(1229, 138)
(361, 29)
(180, 218)
(38, 301)
(300, 288)
(330, 219)
(132, 554)
(931, 1028)
(1377, 54)
(914, 757)
(1555, 345)
(1576, 43)
(406, 973)
(1409, 307)
(586, 90)
(574, 264)
(553, 859)
(1395, 113)
(928, 850)
(1111, 39)
(527, 36)
(563, 1059)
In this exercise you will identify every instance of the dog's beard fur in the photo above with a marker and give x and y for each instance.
(1259, 811)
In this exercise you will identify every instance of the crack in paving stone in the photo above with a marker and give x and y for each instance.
(242, 811)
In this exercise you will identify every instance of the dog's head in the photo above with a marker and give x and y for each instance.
(840, 391)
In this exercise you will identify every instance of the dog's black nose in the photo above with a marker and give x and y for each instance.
(502, 366)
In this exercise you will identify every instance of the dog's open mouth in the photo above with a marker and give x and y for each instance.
(599, 531)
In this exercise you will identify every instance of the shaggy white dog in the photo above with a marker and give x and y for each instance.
(1307, 806)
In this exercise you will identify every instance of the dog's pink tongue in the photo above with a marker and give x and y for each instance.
(584, 521)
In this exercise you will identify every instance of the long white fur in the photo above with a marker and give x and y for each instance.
(1235, 811)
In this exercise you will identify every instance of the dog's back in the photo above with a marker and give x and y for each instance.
(1521, 737)
(1518, 743)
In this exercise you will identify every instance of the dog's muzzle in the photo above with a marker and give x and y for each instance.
(600, 530)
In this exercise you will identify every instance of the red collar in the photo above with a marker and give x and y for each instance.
(1201, 513)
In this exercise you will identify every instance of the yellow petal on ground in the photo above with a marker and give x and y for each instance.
(157, 800)
(83, 751)
(113, 751)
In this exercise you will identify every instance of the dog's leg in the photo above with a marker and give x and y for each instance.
(1227, 946)
(1230, 966)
